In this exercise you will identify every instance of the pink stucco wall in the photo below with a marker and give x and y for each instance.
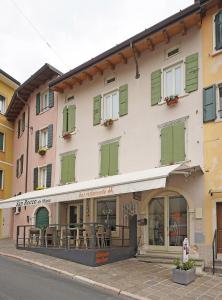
(37, 122)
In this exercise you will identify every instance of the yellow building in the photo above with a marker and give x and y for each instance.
(7, 87)
(212, 117)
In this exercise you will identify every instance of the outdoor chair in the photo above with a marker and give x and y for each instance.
(66, 238)
(100, 236)
(34, 237)
(108, 237)
(50, 236)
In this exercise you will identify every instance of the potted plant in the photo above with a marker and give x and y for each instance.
(185, 272)
(66, 135)
(42, 151)
(39, 188)
(172, 100)
(108, 122)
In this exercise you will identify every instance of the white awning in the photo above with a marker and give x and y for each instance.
(102, 187)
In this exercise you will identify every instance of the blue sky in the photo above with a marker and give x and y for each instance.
(76, 30)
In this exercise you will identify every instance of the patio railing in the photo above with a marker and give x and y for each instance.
(70, 236)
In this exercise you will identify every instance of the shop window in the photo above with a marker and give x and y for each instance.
(106, 212)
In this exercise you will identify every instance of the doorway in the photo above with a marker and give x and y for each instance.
(75, 213)
(168, 222)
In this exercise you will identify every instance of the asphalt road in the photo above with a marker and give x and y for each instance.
(22, 281)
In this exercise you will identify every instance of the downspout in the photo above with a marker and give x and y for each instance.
(27, 144)
(136, 61)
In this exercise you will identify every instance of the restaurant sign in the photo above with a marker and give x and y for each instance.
(27, 202)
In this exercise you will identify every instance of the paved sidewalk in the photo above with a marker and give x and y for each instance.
(130, 277)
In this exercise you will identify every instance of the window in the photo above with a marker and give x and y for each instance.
(44, 100)
(2, 141)
(173, 144)
(19, 166)
(43, 138)
(111, 106)
(2, 104)
(1, 179)
(42, 177)
(69, 119)
(220, 100)
(173, 81)
(172, 52)
(68, 168)
(110, 80)
(218, 31)
(23, 122)
(19, 128)
(106, 212)
(109, 159)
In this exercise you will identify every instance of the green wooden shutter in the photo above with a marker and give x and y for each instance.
(64, 170)
(19, 128)
(71, 118)
(51, 98)
(97, 110)
(167, 145)
(42, 217)
(71, 167)
(17, 168)
(23, 121)
(178, 142)
(209, 104)
(37, 141)
(104, 164)
(123, 100)
(21, 163)
(50, 136)
(65, 119)
(218, 31)
(155, 87)
(49, 175)
(35, 178)
(113, 158)
(1, 141)
(38, 97)
(191, 73)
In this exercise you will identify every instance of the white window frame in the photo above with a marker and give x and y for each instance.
(103, 105)
(42, 176)
(4, 105)
(41, 141)
(218, 86)
(3, 179)
(173, 67)
(43, 94)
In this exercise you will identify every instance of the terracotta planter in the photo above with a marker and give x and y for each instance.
(172, 101)
(183, 277)
(66, 135)
(108, 123)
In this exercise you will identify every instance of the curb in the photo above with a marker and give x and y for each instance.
(77, 277)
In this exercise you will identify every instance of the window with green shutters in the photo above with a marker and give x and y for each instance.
(170, 81)
(69, 119)
(68, 168)
(109, 159)
(42, 177)
(209, 104)
(44, 101)
(173, 144)
(2, 140)
(218, 31)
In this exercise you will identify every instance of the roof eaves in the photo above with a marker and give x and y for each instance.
(9, 77)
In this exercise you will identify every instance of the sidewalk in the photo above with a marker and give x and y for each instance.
(136, 279)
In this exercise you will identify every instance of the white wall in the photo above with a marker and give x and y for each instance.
(138, 131)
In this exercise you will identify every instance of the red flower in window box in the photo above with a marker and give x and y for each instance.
(66, 135)
(172, 100)
(108, 122)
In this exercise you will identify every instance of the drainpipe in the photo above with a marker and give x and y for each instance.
(136, 61)
(27, 143)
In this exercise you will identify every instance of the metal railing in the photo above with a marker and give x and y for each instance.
(68, 236)
(214, 249)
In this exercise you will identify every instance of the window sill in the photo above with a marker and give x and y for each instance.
(68, 135)
(162, 102)
(215, 53)
(44, 110)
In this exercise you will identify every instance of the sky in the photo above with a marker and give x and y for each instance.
(66, 33)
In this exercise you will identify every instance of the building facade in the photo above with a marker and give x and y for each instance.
(7, 88)
(33, 110)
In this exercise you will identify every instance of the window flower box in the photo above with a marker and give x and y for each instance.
(172, 100)
(42, 151)
(184, 273)
(39, 188)
(66, 135)
(108, 123)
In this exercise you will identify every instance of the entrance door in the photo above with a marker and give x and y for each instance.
(167, 222)
(76, 214)
(219, 227)
(42, 217)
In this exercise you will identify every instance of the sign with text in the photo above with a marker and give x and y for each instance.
(21, 203)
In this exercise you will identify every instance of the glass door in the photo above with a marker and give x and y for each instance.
(75, 213)
(167, 221)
